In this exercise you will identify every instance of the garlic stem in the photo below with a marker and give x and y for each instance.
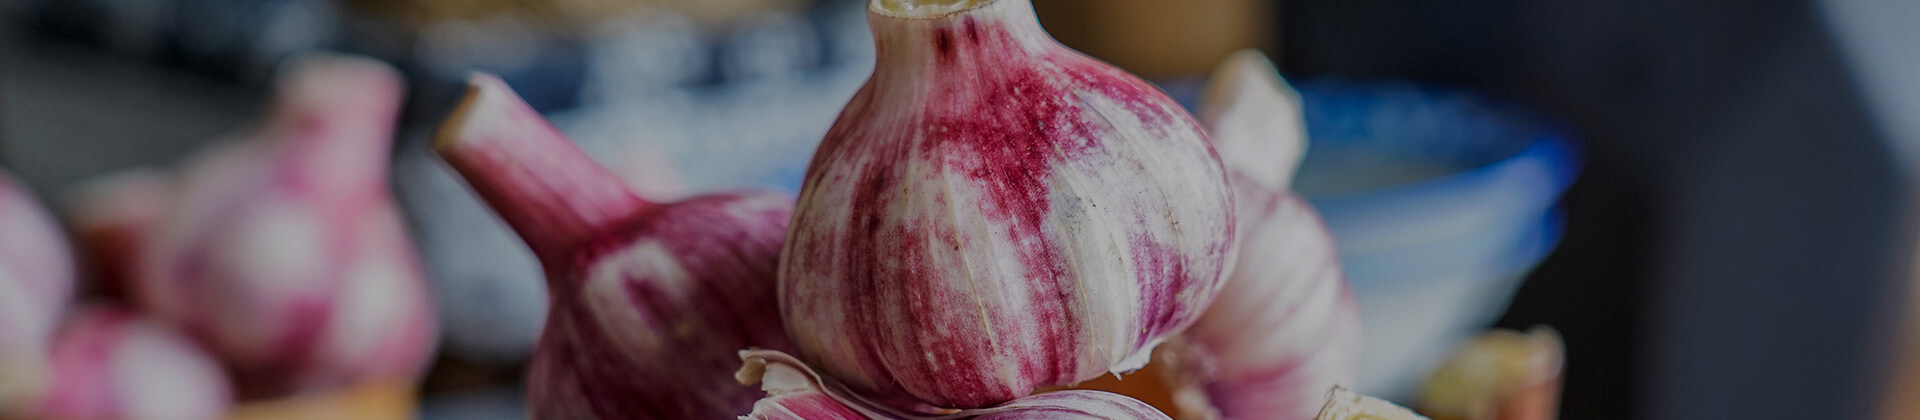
(1255, 119)
(335, 115)
(548, 190)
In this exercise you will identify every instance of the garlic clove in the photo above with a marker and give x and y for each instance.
(795, 391)
(649, 300)
(36, 283)
(109, 364)
(1343, 404)
(1255, 119)
(994, 214)
(269, 249)
(1501, 375)
(1286, 326)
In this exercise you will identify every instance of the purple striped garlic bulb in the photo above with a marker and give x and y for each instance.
(796, 392)
(650, 301)
(284, 253)
(994, 213)
(36, 282)
(109, 364)
(1285, 328)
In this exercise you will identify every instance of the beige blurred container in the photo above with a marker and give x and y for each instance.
(377, 401)
(1158, 38)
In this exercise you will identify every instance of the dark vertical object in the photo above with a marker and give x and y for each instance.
(1738, 214)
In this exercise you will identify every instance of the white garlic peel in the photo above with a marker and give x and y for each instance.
(796, 392)
(1344, 404)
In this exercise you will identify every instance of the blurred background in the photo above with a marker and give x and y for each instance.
(1710, 200)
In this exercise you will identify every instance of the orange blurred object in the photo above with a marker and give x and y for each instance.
(375, 401)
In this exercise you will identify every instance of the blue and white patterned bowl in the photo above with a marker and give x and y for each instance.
(1440, 201)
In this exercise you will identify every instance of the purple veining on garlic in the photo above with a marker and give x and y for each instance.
(650, 300)
(994, 213)
(1286, 327)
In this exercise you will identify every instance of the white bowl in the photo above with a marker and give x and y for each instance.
(1440, 201)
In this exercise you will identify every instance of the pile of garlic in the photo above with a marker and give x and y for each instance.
(993, 217)
(271, 266)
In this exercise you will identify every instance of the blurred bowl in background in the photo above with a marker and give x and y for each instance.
(1441, 201)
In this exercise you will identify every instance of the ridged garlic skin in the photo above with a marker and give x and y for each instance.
(36, 282)
(284, 253)
(650, 301)
(796, 392)
(109, 364)
(1286, 327)
(994, 213)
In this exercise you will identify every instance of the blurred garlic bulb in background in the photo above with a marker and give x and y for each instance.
(994, 213)
(36, 282)
(1342, 404)
(283, 251)
(110, 364)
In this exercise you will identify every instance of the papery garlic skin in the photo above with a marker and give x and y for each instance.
(109, 364)
(650, 301)
(1286, 326)
(1344, 404)
(36, 283)
(284, 252)
(994, 213)
(795, 392)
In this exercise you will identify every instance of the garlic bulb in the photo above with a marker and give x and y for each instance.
(650, 301)
(994, 213)
(1286, 326)
(36, 281)
(109, 364)
(284, 253)
(796, 392)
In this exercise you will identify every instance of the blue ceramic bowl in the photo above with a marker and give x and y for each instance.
(1440, 201)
